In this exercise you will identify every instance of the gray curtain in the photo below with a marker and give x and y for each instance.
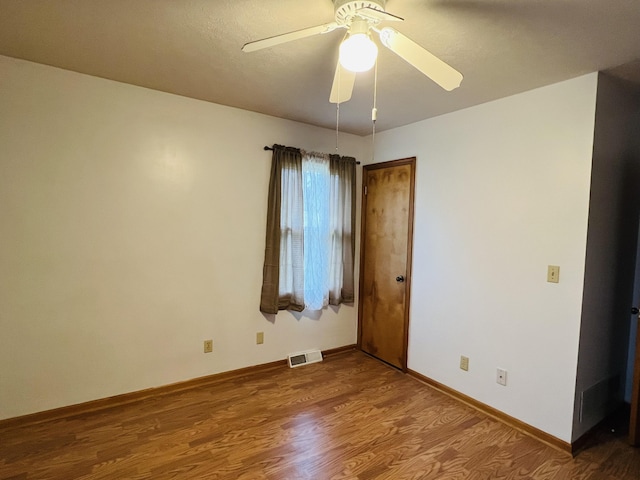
(285, 199)
(343, 201)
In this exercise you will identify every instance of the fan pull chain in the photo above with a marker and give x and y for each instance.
(338, 110)
(337, 124)
(374, 111)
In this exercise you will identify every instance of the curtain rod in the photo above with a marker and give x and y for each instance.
(269, 148)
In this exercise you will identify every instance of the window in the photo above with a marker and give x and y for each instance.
(310, 241)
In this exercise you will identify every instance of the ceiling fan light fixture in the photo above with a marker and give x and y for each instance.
(358, 53)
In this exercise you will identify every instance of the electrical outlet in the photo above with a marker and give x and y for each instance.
(501, 377)
(464, 363)
(208, 346)
(259, 338)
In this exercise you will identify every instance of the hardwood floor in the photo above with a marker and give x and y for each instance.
(349, 417)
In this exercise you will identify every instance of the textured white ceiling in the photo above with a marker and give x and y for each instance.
(192, 48)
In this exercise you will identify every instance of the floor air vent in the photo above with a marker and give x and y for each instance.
(302, 358)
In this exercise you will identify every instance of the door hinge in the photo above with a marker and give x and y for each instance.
(366, 189)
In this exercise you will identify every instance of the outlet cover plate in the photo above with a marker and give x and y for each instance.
(501, 377)
(464, 363)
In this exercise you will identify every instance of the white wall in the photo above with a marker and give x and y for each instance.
(132, 228)
(611, 248)
(610, 260)
(502, 191)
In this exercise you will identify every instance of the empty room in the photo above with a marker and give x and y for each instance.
(316, 239)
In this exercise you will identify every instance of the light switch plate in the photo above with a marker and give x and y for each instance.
(553, 274)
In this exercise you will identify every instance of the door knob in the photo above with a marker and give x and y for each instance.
(400, 278)
(634, 310)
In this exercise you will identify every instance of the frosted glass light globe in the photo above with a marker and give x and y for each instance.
(358, 53)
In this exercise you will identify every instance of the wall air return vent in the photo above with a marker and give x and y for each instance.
(303, 358)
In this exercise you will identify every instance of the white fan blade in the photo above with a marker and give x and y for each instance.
(434, 68)
(342, 87)
(288, 37)
(378, 15)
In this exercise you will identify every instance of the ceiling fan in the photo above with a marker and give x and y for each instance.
(358, 52)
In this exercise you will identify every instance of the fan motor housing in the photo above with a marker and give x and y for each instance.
(345, 10)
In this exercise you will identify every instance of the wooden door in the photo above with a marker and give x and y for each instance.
(385, 260)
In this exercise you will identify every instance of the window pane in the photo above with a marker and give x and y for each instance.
(317, 241)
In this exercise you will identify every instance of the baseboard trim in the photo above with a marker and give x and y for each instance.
(93, 406)
(336, 351)
(519, 425)
(580, 443)
(587, 437)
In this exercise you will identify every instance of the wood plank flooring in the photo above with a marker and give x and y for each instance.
(349, 417)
